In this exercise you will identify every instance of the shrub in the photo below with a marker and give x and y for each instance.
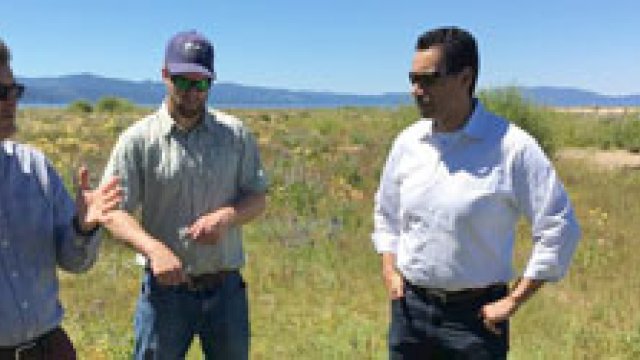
(510, 104)
(114, 104)
(81, 106)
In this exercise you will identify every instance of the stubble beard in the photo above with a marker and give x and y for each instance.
(7, 126)
(186, 114)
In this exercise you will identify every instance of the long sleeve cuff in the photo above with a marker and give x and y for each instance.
(384, 242)
(80, 253)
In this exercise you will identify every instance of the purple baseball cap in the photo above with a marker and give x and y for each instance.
(189, 52)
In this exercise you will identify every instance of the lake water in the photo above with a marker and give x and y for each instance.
(245, 106)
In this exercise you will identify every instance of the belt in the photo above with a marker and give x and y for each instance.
(204, 282)
(457, 296)
(34, 349)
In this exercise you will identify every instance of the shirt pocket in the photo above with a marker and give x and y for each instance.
(221, 167)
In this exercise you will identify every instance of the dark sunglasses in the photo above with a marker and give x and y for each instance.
(183, 83)
(14, 91)
(425, 78)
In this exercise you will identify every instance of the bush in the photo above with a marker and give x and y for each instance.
(81, 106)
(114, 104)
(510, 104)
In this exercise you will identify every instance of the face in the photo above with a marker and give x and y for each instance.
(188, 95)
(436, 93)
(8, 106)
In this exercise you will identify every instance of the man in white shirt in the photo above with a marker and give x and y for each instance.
(451, 192)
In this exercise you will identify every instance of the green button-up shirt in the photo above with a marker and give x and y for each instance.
(176, 176)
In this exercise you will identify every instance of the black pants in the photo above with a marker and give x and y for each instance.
(424, 327)
(54, 345)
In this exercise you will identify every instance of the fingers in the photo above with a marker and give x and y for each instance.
(111, 204)
(82, 178)
(114, 194)
(204, 233)
(169, 271)
(111, 184)
(493, 327)
(171, 278)
(397, 290)
(395, 285)
(489, 324)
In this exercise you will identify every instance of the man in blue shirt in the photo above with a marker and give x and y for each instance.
(451, 192)
(40, 228)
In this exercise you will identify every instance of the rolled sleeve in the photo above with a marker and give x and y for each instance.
(543, 199)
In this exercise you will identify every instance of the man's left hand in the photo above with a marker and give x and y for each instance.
(93, 205)
(210, 228)
(496, 312)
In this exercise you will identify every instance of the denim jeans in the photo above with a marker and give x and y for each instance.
(426, 328)
(169, 317)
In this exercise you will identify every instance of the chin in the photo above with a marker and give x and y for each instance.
(7, 130)
(191, 111)
(425, 113)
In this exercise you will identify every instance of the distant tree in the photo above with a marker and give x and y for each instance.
(114, 104)
(81, 106)
(509, 103)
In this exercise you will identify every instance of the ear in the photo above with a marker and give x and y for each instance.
(166, 77)
(466, 77)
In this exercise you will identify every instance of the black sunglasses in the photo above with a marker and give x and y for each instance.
(14, 91)
(425, 78)
(183, 83)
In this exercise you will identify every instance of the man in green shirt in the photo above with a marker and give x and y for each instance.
(196, 176)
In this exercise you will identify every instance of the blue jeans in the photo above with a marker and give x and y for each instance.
(424, 327)
(169, 317)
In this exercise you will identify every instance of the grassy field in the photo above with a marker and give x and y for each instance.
(314, 280)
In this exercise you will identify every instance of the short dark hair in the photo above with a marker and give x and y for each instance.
(5, 54)
(459, 46)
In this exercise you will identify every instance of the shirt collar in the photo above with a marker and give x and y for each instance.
(475, 128)
(168, 124)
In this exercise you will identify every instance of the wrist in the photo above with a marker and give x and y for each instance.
(84, 229)
(515, 299)
(389, 270)
(154, 248)
(228, 215)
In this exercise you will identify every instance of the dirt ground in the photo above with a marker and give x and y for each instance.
(608, 159)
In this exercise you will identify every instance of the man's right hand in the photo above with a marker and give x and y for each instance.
(394, 283)
(165, 266)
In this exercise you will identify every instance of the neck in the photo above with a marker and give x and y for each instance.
(457, 117)
(186, 123)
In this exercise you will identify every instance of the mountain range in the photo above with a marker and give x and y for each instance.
(66, 89)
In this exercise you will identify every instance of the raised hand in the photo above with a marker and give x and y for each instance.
(93, 205)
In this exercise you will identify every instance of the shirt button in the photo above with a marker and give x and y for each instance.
(14, 274)
(4, 244)
(25, 305)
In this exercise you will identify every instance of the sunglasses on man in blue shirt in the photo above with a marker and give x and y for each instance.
(14, 91)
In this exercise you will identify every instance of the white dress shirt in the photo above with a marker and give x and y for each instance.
(448, 204)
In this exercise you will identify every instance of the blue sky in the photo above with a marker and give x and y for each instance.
(353, 46)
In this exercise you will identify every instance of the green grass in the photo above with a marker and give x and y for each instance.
(314, 280)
